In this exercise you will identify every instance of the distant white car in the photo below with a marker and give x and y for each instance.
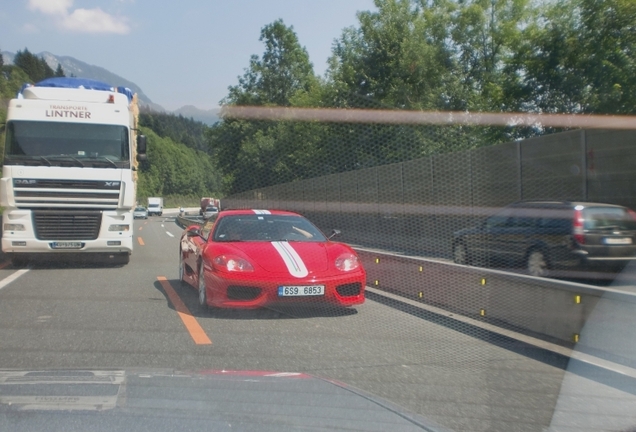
(140, 213)
(210, 211)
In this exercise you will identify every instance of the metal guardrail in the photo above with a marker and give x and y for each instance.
(552, 308)
(187, 220)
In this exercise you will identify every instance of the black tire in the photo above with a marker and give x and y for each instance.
(537, 263)
(202, 290)
(181, 270)
(19, 262)
(120, 259)
(460, 254)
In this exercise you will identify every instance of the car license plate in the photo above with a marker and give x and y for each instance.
(66, 245)
(297, 290)
(617, 241)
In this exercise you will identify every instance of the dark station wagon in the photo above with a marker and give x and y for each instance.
(547, 236)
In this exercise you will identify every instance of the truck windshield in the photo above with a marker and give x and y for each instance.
(54, 143)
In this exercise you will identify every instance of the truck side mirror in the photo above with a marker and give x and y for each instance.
(141, 148)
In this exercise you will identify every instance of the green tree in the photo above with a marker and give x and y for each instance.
(582, 60)
(247, 151)
(11, 80)
(395, 59)
(59, 72)
(174, 169)
(283, 70)
(35, 67)
(187, 131)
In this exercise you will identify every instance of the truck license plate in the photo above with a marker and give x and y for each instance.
(66, 245)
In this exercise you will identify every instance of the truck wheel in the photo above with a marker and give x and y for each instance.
(121, 259)
(19, 262)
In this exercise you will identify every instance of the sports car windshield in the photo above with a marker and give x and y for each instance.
(266, 228)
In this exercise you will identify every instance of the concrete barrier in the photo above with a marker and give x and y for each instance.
(552, 309)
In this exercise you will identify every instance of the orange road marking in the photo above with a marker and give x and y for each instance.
(141, 241)
(140, 228)
(190, 322)
(4, 264)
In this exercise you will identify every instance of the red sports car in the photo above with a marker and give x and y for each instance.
(252, 258)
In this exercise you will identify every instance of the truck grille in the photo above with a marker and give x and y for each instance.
(49, 193)
(61, 225)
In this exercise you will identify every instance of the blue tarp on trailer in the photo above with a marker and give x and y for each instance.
(66, 82)
(83, 83)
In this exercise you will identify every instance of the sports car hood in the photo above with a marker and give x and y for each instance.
(168, 400)
(287, 257)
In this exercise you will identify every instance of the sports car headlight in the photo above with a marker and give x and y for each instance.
(347, 262)
(232, 264)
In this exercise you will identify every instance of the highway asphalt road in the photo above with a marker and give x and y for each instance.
(138, 316)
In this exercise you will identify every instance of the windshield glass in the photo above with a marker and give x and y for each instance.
(35, 140)
(608, 218)
(266, 228)
(425, 205)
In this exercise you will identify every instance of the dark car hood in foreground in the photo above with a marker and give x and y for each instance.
(167, 400)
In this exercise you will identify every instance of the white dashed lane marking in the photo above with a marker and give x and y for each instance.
(13, 276)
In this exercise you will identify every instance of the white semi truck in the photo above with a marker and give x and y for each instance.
(68, 183)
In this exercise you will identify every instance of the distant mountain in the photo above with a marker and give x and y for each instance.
(208, 117)
(78, 68)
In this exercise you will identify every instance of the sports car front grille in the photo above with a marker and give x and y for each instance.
(237, 292)
(349, 290)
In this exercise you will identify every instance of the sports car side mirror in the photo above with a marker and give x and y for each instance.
(193, 232)
(335, 233)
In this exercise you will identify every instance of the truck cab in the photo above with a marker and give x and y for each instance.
(68, 182)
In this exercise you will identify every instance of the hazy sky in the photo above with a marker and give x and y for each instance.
(184, 52)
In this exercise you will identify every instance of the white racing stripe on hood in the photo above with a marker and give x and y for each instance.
(292, 260)
(262, 212)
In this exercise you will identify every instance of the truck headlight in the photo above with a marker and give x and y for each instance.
(119, 228)
(13, 227)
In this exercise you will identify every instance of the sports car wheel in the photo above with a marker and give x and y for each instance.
(537, 264)
(181, 270)
(203, 294)
(460, 254)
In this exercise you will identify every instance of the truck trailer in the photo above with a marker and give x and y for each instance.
(68, 183)
(209, 201)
